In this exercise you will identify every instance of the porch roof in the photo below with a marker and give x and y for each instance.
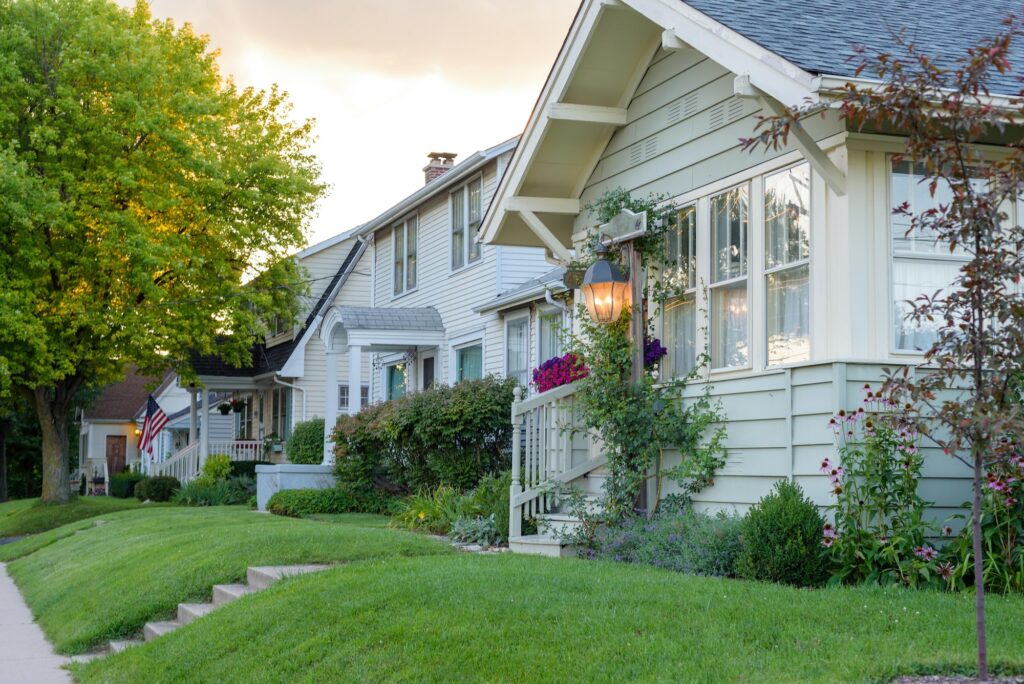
(383, 328)
(380, 318)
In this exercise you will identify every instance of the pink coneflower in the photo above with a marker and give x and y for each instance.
(926, 553)
(826, 465)
(945, 571)
(947, 530)
(827, 542)
(828, 531)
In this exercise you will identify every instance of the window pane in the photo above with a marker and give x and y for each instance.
(729, 234)
(364, 396)
(458, 230)
(682, 250)
(517, 347)
(396, 381)
(410, 259)
(788, 316)
(399, 251)
(474, 220)
(680, 337)
(342, 399)
(910, 279)
(729, 326)
(469, 363)
(909, 186)
(787, 203)
(550, 337)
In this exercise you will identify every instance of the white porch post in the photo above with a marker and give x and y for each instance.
(204, 432)
(355, 379)
(192, 416)
(330, 404)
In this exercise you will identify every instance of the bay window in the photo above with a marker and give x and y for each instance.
(730, 329)
(680, 312)
(787, 264)
(466, 212)
(403, 241)
(517, 346)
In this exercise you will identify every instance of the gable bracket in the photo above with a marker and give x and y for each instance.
(546, 236)
(561, 111)
(808, 146)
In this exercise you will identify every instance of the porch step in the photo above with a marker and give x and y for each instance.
(226, 593)
(539, 545)
(122, 644)
(152, 630)
(263, 577)
(557, 524)
(189, 612)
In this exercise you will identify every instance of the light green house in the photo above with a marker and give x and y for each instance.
(805, 266)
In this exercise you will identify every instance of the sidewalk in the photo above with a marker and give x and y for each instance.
(25, 654)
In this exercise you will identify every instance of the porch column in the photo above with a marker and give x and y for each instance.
(355, 379)
(192, 416)
(204, 431)
(330, 404)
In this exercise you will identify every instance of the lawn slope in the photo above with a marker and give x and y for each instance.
(106, 581)
(29, 516)
(527, 619)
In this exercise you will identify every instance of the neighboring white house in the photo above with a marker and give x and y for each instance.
(806, 268)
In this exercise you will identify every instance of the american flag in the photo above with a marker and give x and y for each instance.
(151, 427)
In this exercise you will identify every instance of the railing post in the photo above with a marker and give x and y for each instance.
(515, 520)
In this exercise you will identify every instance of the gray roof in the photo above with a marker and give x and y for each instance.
(370, 318)
(528, 291)
(819, 35)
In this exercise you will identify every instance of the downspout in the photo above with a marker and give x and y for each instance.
(278, 381)
(554, 302)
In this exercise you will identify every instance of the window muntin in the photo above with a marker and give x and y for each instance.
(404, 255)
(467, 212)
(469, 363)
(787, 200)
(679, 331)
(550, 336)
(364, 397)
(730, 329)
(517, 349)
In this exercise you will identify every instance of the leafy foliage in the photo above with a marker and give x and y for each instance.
(431, 511)
(781, 539)
(298, 503)
(122, 485)
(217, 467)
(478, 530)
(159, 488)
(447, 435)
(306, 445)
(246, 467)
(207, 491)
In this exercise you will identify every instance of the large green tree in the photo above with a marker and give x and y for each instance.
(140, 190)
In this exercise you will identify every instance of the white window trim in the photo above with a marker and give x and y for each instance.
(343, 405)
(403, 224)
(514, 317)
(461, 342)
(464, 189)
(690, 292)
(754, 189)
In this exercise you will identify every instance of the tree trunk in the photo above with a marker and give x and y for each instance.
(53, 425)
(979, 568)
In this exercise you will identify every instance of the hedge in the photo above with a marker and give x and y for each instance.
(452, 436)
(122, 485)
(297, 503)
(159, 488)
(247, 468)
(306, 445)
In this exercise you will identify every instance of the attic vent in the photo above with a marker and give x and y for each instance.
(690, 104)
(636, 154)
(735, 110)
(674, 112)
(650, 148)
(716, 117)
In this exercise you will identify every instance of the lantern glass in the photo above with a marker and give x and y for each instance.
(606, 300)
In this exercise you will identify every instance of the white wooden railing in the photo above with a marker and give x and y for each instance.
(186, 463)
(548, 446)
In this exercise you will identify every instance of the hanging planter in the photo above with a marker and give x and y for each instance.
(224, 409)
(573, 278)
(237, 405)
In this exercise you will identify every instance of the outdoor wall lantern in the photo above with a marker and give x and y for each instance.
(605, 288)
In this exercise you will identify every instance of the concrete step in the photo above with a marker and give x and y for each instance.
(539, 545)
(226, 593)
(122, 644)
(188, 612)
(263, 577)
(152, 630)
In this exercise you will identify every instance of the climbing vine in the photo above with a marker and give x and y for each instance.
(639, 420)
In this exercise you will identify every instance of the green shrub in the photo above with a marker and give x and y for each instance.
(246, 467)
(306, 445)
(447, 435)
(781, 540)
(297, 503)
(431, 511)
(478, 530)
(217, 467)
(159, 488)
(490, 500)
(242, 488)
(206, 491)
(122, 485)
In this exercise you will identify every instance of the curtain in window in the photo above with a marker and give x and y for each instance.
(517, 350)
(729, 339)
(680, 337)
(910, 279)
(470, 363)
(550, 340)
(789, 329)
(787, 203)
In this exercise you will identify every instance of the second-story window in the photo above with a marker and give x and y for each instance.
(466, 215)
(403, 240)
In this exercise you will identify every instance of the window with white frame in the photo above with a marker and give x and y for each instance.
(280, 422)
(787, 255)
(920, 265)
(549, 342)
(395, 377)
(469, 362)
(679, 331)
(730, 327)
(364, 397)
(243, 421)
(403, 241)
(517, 349)
(466, 212)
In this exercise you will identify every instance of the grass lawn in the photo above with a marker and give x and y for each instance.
(358, 519)
(513, 618)
(108, 580)
(29, 516)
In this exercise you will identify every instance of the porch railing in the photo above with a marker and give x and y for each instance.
(238, 449)
(549, 445)
(186, 463)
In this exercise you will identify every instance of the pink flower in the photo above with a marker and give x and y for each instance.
(826, 465)
(945, 571)
(926, 553)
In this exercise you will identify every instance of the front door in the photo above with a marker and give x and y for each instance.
(117, 445)
(427, 371)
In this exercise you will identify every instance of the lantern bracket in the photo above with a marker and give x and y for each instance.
(623, 227)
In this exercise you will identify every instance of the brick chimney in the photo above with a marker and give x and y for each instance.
(440, 164)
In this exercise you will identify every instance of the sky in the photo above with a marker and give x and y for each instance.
(388, 81)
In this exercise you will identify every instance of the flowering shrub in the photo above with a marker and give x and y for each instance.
(880, 531)
(558, 371)
(653, 351)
